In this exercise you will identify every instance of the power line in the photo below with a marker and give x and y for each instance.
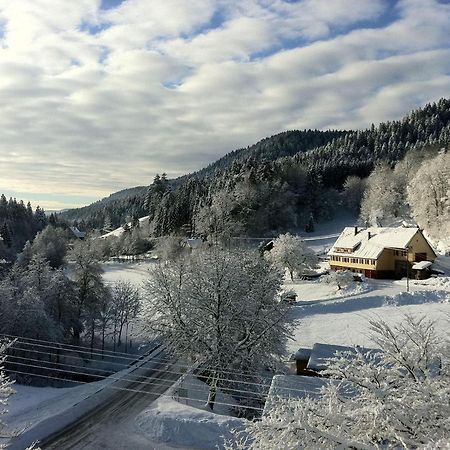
(102, 377)
(206, 367)
(62, 344)
(162, 361)
(143, 392)
(121, 378)
(137, 368)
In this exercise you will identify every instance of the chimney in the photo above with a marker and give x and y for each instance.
(368, 235)
(356, 231)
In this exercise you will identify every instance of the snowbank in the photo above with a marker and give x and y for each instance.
(183, 426)
(183, 420)
(418, 298)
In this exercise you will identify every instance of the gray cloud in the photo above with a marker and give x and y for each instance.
(166, 87)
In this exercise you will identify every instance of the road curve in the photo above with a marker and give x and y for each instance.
(112, 426)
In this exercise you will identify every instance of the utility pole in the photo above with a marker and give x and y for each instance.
(407, 268)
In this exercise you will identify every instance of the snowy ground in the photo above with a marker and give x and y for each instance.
(134, 272)
(30, 405)
(324, 314)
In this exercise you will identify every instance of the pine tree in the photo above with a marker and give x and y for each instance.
(6, 234)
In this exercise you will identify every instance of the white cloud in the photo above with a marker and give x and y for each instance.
(170, 86)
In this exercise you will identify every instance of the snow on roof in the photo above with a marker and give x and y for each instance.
(79, 234)
(370, 242)
(119, 231)
(302, 354)
(298, 387)
(321, 354)
(422, 265)
(293, 386)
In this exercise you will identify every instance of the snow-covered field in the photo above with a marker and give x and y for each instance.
(324, 314)
(134, 272)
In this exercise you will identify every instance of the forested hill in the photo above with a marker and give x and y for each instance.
(130, 202)
(283, 144)
(278, 183)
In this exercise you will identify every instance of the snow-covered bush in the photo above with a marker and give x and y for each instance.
(398, 398)
(340, 278)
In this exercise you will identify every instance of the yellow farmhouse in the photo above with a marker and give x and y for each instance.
(382, 252)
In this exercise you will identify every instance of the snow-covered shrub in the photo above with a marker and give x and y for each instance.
(399, 398)
(288, 296)
(340, 278)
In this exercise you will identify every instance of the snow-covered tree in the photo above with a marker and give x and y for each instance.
(51, 243)
(170, 248)
(353, 192)
(126, 304)
(5, 392)
(396, 398)
(219, 308)
(382, 197)
(429, 196)
(220, 219)
(88, 282)
(290, 252)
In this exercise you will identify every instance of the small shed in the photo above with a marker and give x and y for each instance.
(421, 270)
(299, 360)
(77, 233)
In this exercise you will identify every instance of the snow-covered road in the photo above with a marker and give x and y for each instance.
(112, 425)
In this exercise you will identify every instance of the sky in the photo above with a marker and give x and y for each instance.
(100, 95)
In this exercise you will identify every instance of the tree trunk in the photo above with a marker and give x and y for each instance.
(212, 394)
(119, 343)
(115, 336)
(92, 336)
(76, 336)
(103, 342)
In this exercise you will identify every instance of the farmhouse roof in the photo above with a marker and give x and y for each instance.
(370, 242)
